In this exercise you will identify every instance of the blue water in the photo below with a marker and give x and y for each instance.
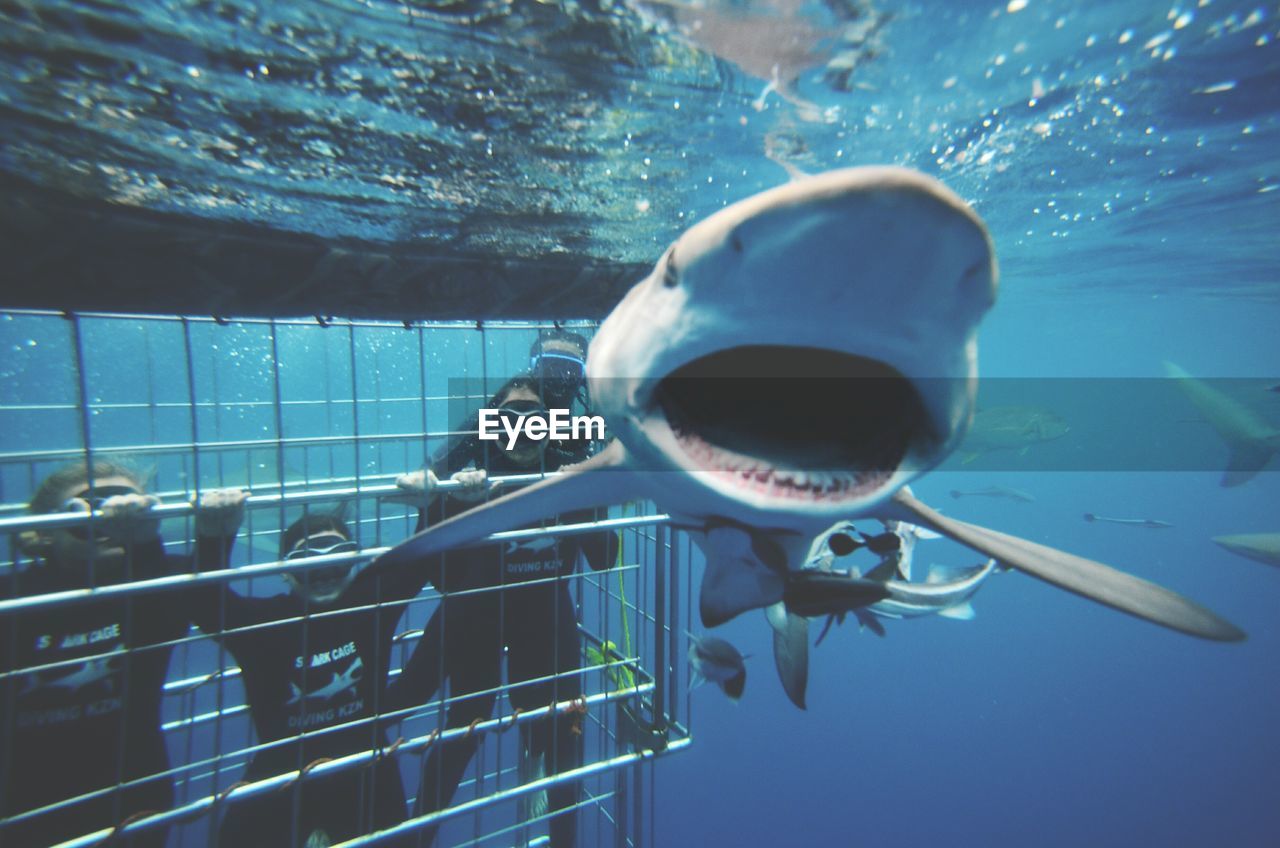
(1126, 157)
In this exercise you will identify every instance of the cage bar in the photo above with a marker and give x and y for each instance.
(302, 415)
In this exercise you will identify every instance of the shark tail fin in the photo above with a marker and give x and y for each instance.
(1245, 462)
(734, 686)
(1084, 577)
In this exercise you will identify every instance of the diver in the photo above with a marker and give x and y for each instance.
(85, 680)
(533, 617)
(314, 661)
(557, 362)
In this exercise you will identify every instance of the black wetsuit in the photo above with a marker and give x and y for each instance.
(74, 729)
(537, 623)
(307, 674)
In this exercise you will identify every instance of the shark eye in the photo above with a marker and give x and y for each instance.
(670, 274)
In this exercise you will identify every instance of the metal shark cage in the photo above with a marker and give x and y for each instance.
(302, 414)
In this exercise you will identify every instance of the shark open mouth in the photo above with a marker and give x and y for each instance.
(794, 422)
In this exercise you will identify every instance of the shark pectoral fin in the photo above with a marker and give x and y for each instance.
(1085, 577)
(869, 621)
(959, 612)
(736, 579)
(734, 686)
(790, 651)
(1245, 462)
(603, 479)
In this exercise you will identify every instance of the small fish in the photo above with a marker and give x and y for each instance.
(1136, 522)
(994, 492)
(714, 659)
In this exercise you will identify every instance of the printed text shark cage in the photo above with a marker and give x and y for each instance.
(214, 668)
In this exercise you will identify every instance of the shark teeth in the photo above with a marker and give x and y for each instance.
(758, 475)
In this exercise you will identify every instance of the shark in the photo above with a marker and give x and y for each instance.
(339, 684)
(1251, 441)
(795, 359)
(105, 669)
(945, 592)
(1005, 492)
(1152, 523)
(1262, 547)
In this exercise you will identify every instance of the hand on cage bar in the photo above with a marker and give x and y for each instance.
(126, 517)
(472, 484)
(417, 488)
(220, 512)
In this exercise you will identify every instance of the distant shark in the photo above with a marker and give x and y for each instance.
(872, 279)
(1252, 441)
(1004, 492)
(1262, 547)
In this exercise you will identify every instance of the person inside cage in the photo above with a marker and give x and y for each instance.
(83, 681)
(314, 664)
(557, 363)
(514, 595)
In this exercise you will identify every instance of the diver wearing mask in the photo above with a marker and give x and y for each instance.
(557, 366)
(314, 661)
(558, 361)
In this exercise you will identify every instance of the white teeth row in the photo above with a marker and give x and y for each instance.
(800, 485)
(760, 476)
(719, 458)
